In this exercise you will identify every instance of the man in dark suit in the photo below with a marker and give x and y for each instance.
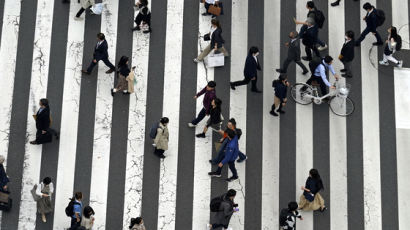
(42, 118)
(250, 72)
(371, 25)
(293, 54)
(309, 35)
(100, 53)
(347, 54)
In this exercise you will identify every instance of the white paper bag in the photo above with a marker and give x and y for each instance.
(97, 8)
(215, 60)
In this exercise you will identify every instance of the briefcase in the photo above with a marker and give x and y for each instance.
(215, 60)
(215, 10)
(5, 202)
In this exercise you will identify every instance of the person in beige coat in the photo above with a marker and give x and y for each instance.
(161, 138)
(85, 4)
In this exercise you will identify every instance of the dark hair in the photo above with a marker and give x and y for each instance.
(283, 77)
(164, 120)
(350, 34)
(292, 206)
(78, 195)
(218, 102)
(144, 2)
(47, 180)
(295, 34)
(44, 102)
(231, 192)
(88, 211)
(232, 120)
(310, 4)
(328, 59)
(367, 6)
(101, 36)
(393, 33)
(123, 61)
(231, 133)
(315, 175)
(135, 221)
(215, 22)
(211, 84)
(253, 50)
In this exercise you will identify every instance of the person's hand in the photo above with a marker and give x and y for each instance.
(387, 41)
(134, 67)
(287, 44)
(215, 49)
(364, 18)
(303, 187)
(221, 140)
(5, 187)
(337, 77)
(95, 60)
(45, 195)
(78, 219)
(153, 144)
(373, 33)
(220, 165)
(43, 131)
(332, 87)
(284, 103)
(285, 100)
(195, 97)
(301, 218)
(254, 78)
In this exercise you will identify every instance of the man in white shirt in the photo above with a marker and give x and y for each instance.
(320, 77)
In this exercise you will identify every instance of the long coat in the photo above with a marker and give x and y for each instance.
(162, 138)
(225, 213)
(130, 80)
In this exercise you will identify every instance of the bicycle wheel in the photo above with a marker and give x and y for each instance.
(341, 106)
(299, 93)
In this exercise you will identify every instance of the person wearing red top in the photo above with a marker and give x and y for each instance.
(210, 95)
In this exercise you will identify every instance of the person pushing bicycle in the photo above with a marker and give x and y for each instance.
(318, 67)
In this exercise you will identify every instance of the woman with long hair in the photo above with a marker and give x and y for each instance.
(311, 199)
(215, 119)
(393, 44)
(125, 77)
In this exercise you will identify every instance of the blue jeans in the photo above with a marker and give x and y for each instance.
(364, 34)
(200, 116)
(221, 153)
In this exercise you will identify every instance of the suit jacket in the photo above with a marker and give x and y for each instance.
(217, 38)
(101, 52)
(43, 119)
(251, 67)
(309, 35)
(294, 50)
(371, 21)
(347, 51)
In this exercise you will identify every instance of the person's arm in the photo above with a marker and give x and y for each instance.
(227, 210)
(51, 187)
(200, 92)
(158, 136)
(228, 154)
(392, 44)
(323, 76)
(38, 190)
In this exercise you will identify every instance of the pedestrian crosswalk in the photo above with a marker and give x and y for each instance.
(104, 149)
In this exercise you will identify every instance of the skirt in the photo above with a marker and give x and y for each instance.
(44, 205)
(316, 204)
(122, 83)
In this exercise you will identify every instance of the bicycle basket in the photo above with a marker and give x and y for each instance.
(343, 90)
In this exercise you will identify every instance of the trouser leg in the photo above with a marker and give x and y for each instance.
(362, 35)
(347, 66)
(302, 66)
(91, 66)
(254, 84)
(200, 116)
(316, 51)
(323, 86)
(233, 169)
(308, 52)
(378, 38)
(224, 51)
(80, 12)
(320, 42)
(204, 53)
(221, 152)
(241, 155)
(391, 58)
(243, 82)
(286, 64)
(108, 63)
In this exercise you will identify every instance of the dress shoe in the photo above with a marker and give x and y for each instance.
(200, 135)
(135, 28)
(280, 71)
(377, 43)
(110, 71)
(256, 91)
(281, 111)
(85, 72)
(343, 70)
(33, 142)
(147, 31)
(214, 174)
(232, 86)
(273, 113)
(335, 3)
(346, 76)
(306, 58)
(305, 72)
(112, 92)
(232, 178)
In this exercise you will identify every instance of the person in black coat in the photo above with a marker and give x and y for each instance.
(347, 54)
(371, 25)
(309, 35)
(42, 117)
(281, 88)
(217, 42)
(250, 72)
(144, 15)
(293, 54)
(100, 53)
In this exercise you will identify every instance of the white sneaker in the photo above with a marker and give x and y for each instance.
(196, 60)
(400, 64)
(78, 18)
(383, 63)
(208, 226)
(321, 48)
(191, 125)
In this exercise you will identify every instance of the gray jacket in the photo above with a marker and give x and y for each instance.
(224, 215)
(294, 50)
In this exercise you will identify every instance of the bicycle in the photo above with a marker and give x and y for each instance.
(338, 99)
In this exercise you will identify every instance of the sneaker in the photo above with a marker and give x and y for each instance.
(190, 125)
(135, 28)
(109, 71)
(147, 31)
(384, 63)
(232, 178)
(214, 174)
(321, 48)
(196, 60)
(377, 43)
(273, 113)
(280, 71)
(78, 18)
(399, 64)
(335, 3)
(281, 111)
(200, 135)
(241, 160)
(324, 209)
(346, 76)
(305, 72)
(343, 70)
(162, 156)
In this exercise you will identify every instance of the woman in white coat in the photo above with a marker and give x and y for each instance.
(85, 4)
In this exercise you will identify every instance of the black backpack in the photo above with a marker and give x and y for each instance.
(319, 18)
(238, 133)
(314, 63)
(380, 17)
(69, 210)
(398, 41)
(216, 203)
(283, 216)
(153, 130)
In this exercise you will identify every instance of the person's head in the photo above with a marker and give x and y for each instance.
(2, 159)
(292, 206)
(310, 5)
(135, 221)
(88, 211)
(216, 102)
(349, 35)
(231, 123)
(310, 21)
(43, 102)
(215, 23)
(293, 34)
(47, 180)
(254, 51)
(78, 196)
(231, 194)
(231, 133)
(100, 36)
(123, 61)
(144, 2)
(367, 6)
(283, 78)
(211, 85)
(164, 121)
(315, 175)
(328, 59)
(392, 31)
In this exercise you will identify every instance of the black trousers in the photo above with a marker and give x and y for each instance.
(159, 152)
(308, 50)
(245, 82)
(106, 62)
(81, 11)
(145, 18)
(288, 61)
(320, 81)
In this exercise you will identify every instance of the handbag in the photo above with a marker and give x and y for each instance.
(215, 60)
(207, 37)
(34, 194)
(214, 10)
(217, 146)
(4, 197)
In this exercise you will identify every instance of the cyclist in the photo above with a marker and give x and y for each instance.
(320, 66)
